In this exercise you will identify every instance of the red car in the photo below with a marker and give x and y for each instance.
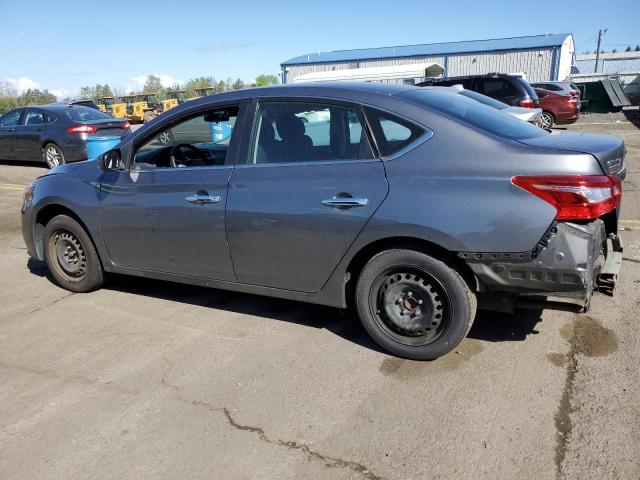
(558, 109)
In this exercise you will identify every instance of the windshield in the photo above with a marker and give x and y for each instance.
(478, 97)
(108, 102)
(81, 114)
(476, 114)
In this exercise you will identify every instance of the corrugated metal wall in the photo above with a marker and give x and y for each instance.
(536, 63)
(297, 70)
(391, 62)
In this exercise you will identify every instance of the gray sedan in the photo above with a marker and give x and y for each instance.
(413, 206)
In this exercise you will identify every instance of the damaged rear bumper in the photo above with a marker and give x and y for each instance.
(571, 261)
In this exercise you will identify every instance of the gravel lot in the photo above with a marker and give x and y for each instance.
(147, 379)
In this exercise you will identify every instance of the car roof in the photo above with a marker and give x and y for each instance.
(58, 106)
(319, 89)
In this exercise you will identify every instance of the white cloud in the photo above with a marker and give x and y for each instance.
(21, 84)
(165, 79)
(60, 93)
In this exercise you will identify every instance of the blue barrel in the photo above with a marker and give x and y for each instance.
(98, 145)
(219, 131)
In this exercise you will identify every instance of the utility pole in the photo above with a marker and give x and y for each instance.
(600, 33)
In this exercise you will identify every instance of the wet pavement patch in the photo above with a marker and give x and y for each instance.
(558, 359)
(403, 369)
(587, 337)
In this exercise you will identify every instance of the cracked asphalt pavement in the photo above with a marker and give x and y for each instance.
(153, 380)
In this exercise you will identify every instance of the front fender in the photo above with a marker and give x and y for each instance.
(81, 198)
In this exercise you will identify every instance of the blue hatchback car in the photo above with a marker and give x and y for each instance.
(412, 205)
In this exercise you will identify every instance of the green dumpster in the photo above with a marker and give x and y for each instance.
(602, 96)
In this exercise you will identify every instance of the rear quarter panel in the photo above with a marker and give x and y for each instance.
(455, 190)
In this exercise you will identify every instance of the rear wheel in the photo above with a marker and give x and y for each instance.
(52, 155)
(414, 305)
(547, 119)
(70, 255)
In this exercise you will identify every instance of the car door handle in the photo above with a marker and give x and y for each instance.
(345, 202)
(203, 198)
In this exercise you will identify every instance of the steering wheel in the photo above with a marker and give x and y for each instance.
(178, 159)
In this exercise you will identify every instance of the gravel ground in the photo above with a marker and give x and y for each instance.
(147, 379)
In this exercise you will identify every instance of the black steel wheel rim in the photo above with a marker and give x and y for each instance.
(70, 254)
(410, 305)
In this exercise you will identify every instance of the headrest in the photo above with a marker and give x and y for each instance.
(290, 126)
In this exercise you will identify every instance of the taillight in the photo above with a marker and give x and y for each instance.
(82, 129)
(125, 125)
(527, 103)
(576, 197)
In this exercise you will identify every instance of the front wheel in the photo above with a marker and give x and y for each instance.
(414, 305)
(52, 155)
(70, 255)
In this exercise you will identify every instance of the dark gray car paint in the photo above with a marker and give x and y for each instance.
(453, 193)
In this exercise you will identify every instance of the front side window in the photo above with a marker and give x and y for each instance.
(201, 140)
(391, 132)
(34, 118)
(293, 132)
(11, 119)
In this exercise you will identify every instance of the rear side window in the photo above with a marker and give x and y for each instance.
(34, 118)
(497, 87)
(295, 132)
(81, 114)
(392, 133)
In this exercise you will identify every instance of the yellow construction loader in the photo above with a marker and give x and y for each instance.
(204, 92)
(105, 104)
(140, 108)
(174, 98)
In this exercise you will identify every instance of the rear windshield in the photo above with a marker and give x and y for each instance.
(527, 86)
(478, 97)
(476, 114)
(81, 114)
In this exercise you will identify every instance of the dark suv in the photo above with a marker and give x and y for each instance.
(509, 89)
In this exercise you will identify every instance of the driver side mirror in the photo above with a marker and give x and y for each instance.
(111, 160)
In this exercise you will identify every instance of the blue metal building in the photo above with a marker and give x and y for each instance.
(539, 57)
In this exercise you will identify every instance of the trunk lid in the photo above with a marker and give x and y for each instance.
(609, 150)
(526, 114)
(105, 127)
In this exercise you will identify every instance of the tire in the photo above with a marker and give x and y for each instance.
(548, 120)
(413, 305)
(52, 155)
(166, 138)
(70, 255)
(148, 116)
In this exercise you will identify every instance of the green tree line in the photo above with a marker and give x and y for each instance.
(9, 97)
(615, 50)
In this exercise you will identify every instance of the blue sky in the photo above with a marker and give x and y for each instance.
(63, 45)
